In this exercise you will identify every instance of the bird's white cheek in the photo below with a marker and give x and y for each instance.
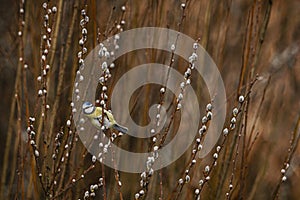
(89, 110)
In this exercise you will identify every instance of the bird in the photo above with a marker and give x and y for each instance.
(95, 115)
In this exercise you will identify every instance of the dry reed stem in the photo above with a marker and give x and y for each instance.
(294, 142)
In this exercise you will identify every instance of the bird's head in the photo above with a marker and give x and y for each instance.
(88, 108)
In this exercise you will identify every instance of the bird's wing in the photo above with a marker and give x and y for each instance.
(110, 117)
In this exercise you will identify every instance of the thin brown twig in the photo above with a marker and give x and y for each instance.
(20, 153)
(69, 186)
(17, 94)
(234, 161)
(163, 136)
(62, 71)
(224, 175)
(246, 49)
(294, 142)
(257, 115)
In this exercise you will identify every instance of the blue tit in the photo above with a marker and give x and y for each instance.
(95, 115)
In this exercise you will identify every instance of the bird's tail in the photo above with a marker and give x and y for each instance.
(120, 128)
